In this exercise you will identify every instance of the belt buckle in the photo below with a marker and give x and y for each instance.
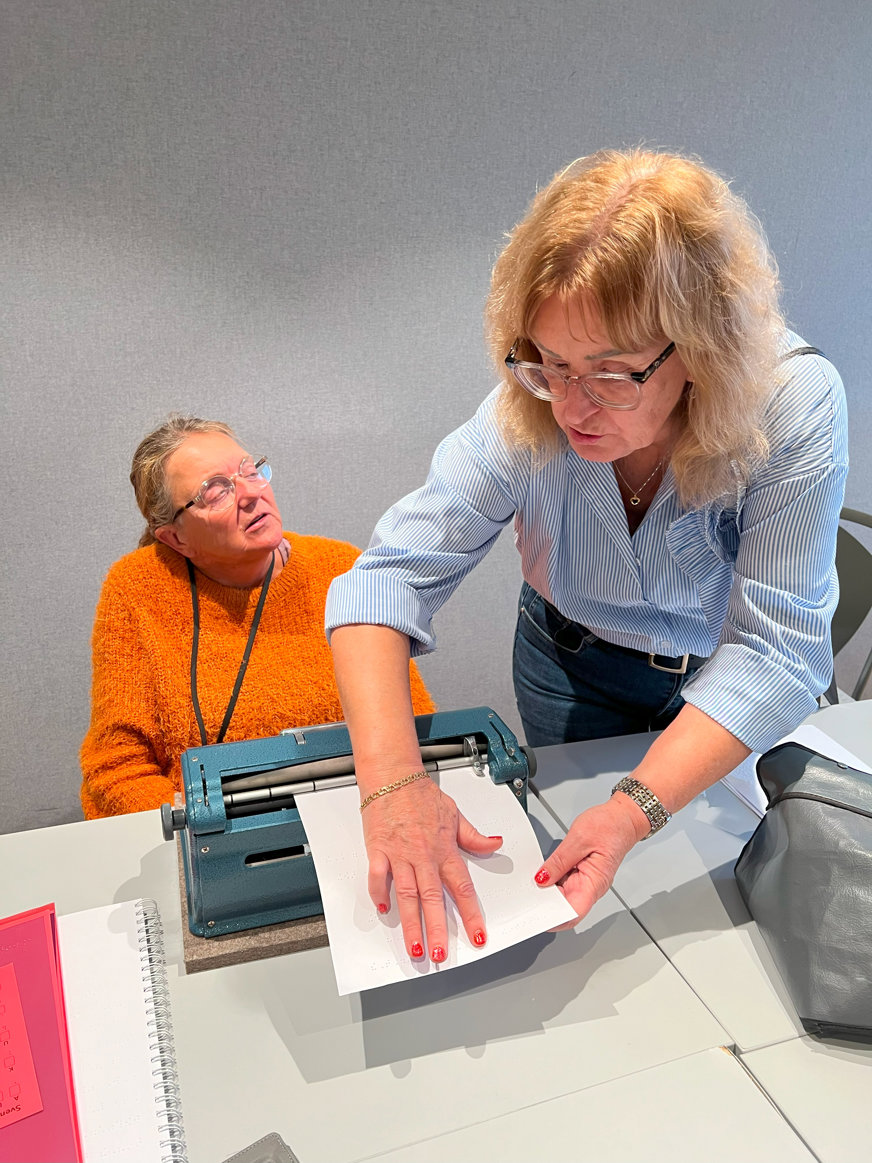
(669, 669)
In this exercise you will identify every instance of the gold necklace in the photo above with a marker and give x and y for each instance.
(635, 499)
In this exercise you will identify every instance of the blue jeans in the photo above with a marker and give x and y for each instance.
(571, 685)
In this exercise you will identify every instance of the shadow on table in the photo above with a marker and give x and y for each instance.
(516, 992)
(566, 979)
(710, 902)
(562, 979)
(545, 981)
(704, 908)
(158, 866)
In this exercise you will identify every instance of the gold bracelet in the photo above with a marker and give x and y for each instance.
(389, 787)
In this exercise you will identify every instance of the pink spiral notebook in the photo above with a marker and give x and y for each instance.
(87, 1073)
(38, 1118)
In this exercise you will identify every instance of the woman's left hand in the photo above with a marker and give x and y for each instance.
(584, 864)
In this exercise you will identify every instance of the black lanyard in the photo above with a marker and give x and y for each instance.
(231, 706)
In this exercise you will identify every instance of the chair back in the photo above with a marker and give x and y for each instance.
(854, 567)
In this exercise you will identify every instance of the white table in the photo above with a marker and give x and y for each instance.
(704, 1107)
(270, 1046)
(824, 1089)
(850, 724)
(596, 1029)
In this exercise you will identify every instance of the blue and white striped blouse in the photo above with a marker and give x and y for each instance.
(748, 579)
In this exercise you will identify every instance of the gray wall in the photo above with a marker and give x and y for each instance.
(284, 213)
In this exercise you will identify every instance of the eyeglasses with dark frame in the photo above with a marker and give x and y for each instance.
(217, 493)
(620, 390)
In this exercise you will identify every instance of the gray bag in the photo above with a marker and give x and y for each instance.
(806, 877)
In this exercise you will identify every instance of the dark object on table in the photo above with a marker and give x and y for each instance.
(806, 877)
(270, 1149)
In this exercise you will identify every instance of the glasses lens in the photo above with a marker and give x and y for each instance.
(217, 492)
(613, 391)
(256, 472)
(539, 382)
(609, 391)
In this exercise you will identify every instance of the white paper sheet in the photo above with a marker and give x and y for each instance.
(743, 780)
(367, 948)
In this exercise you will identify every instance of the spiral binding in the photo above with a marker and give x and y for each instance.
(160, 1033)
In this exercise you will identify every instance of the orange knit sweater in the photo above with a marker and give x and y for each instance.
(142, 718)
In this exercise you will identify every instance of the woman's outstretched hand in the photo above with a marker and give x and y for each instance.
(584, 864)
(413, 836)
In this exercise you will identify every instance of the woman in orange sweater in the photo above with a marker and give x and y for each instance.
(213, 629)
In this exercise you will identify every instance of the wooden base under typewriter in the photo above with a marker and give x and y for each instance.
(249, 945)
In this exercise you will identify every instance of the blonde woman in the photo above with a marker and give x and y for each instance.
(673, 459)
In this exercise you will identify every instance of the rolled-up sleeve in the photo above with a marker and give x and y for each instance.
(427, 543)
(774, 656)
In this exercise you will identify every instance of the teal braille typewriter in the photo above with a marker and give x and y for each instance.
(246, 858)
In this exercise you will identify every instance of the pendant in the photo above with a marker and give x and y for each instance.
(634, 500)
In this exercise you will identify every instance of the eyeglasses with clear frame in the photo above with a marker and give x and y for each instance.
(620, 390)
(218, 492)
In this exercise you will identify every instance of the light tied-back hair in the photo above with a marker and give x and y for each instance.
(665, 250)
(148, 469)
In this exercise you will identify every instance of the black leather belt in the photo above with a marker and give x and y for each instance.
(680, 665)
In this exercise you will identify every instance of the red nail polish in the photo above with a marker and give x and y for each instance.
(478, 937)
(417, 949)
(542, 876)
(383, 908)
(438, 953)
(496, 838)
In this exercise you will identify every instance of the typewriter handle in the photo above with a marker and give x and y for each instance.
(172, 820)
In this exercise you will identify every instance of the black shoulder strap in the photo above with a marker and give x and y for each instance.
(804, 351)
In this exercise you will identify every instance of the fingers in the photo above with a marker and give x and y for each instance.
(584, 864)
(433, 907)
(583, 887)
(601, 832)
(459, 884)
(564, 857)
(416, 891)
(379, 881)
(471, 840)
(420, 891)
(408, 906)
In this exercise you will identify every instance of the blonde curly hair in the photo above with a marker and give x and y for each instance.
(664, 248)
